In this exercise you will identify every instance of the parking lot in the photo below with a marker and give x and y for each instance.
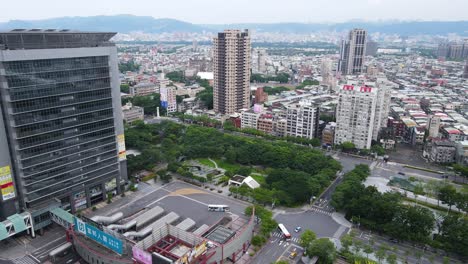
(186, 200)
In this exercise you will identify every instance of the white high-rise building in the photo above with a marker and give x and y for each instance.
(327, 74)
(361, 112)
(302, 120)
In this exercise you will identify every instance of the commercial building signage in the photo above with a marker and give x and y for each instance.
(100, 237)
(141, 255)
(6, 183)
(121, 146)
(79, 200)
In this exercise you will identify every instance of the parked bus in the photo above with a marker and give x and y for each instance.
(218, 208)
(284, 231)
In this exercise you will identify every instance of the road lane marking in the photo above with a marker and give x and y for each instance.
(37, 249)
(148, 205)
(33, 257)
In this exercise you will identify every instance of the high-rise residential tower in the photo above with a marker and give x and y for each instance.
(61, 131)
(361, 112)
(231, 66)
(352, 52)
(465, 72)
(261, 61)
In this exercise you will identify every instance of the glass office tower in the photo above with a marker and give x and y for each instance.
(61, 129)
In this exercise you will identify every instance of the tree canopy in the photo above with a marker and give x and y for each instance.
(260, 78)
(324, 249)
(296, 173)
(381, 212)
(307, 238)
(176, 76)
(307, 83)
(128, 66)
(274, 90)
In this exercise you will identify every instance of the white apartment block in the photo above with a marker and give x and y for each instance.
(132, 113)
(433, 126)
(231, 67)
(249, 119)
(143, 89)
(360, 113)
(302, 120)
(168, 99)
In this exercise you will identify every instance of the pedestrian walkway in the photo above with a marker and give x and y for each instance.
(25, 260)
(214, 162)
(339, 232)
(340, 219)
(320, 211)
(280, 235)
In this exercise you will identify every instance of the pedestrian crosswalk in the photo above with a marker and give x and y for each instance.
(321, 211)
(25, 260)
(280, 235)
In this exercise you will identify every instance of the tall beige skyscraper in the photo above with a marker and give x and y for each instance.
(352, 52)
(231, 66)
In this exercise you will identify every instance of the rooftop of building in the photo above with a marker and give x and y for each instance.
(19, 39)
(443, 143)
(220, 234)
(452, 130)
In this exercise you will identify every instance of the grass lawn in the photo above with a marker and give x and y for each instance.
(260, 179)
(227, 166)
(206, 162)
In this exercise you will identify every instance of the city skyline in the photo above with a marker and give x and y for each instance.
(194, 12)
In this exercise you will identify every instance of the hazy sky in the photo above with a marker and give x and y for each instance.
(240, 11)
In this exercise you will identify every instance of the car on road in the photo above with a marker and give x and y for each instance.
(298, 229)
(401, 173)
(293, 255)
(394, 240)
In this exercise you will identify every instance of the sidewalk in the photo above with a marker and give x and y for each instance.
(340, 219)
(119, 201)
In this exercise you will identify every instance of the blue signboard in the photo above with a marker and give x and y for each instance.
(97, 235)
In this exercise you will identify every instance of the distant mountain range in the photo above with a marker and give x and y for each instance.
(147, 24)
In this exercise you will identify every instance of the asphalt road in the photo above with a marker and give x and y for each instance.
(390, 169)
(322, 224)
(26, 250)
(349, 162)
